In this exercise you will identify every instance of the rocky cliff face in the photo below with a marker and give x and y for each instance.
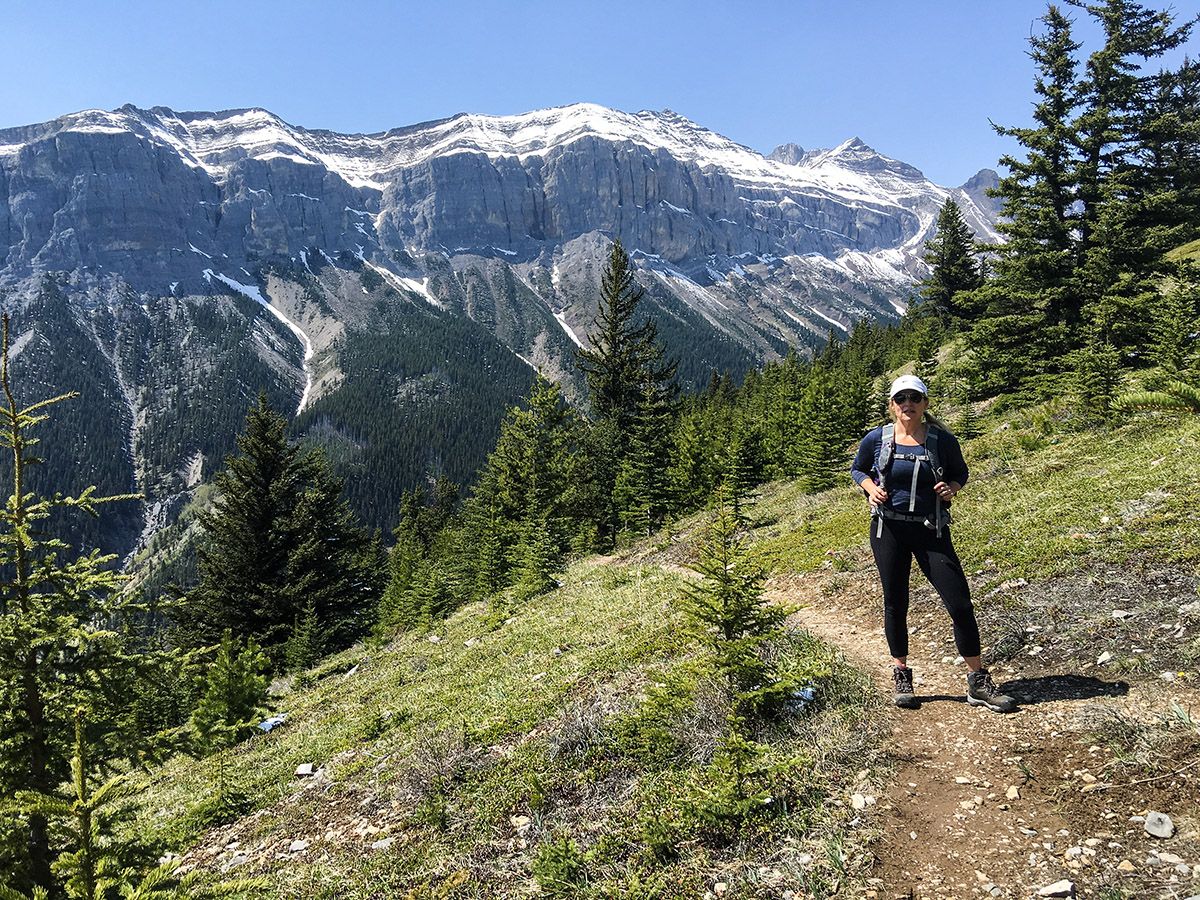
(199, 244)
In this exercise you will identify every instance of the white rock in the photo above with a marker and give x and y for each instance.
(1103, 658)
(1159, 825)
(304, 770)
(383, 843)
(298, 846)
(1062, 888)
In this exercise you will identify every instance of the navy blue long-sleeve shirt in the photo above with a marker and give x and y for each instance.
(899, 481)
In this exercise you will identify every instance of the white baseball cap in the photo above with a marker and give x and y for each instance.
(908, 383)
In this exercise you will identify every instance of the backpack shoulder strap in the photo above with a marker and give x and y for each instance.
(931, 450)
(887, 447)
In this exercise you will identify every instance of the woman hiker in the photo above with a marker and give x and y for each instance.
(910, 470)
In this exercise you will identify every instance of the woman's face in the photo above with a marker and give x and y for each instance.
(909, 406)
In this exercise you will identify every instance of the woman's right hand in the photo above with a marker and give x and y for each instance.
(875, 493)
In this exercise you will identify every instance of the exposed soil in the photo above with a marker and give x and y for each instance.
(980, 804)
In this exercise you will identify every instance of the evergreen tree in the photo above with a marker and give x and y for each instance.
(643, 489)
(623, 355)
(1175, 396)
(1122, 199)
(537, 558)
(99, 862)
(304, 644)
(396, 611)
(954, 269)
(821, 449)
(729, 615)
(1034, 267)
(1175, 324)
(279, 538)
(741, 472)
(235, 694)
(1096, 375)
(689, 470)
(56, 652)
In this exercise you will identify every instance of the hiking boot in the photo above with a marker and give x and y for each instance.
(905, 698)
(982, 691)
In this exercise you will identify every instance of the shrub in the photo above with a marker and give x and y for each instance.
(559, 868)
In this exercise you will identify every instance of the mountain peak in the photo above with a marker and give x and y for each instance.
(789, 154)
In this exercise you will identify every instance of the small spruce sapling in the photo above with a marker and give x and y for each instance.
(235, 694)
(728, 613)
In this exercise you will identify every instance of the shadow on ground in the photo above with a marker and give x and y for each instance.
(1062, 687)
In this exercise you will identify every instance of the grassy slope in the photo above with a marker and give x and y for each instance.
(443, 746)
(472, 753)
(1043, 499)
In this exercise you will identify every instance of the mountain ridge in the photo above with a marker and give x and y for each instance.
(209, 255)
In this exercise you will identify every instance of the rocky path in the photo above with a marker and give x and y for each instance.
(1010, 806)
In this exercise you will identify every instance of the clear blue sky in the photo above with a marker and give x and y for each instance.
(917, 80)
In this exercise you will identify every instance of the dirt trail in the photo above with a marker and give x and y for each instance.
(986, 805)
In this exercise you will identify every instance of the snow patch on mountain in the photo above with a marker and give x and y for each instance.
(252, 291)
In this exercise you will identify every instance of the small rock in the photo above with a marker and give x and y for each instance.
(435, 639)
(239, 859)
(298, 846)
(1120, 614)
(720, 887)
(1159, 825)
(861, 801)
(383, 843)
(304, 770)
(1103, 658)
(1170, 859)
(471, 642)
(961, 779)
(1062, 888)
(1013, 793)
(1126, 866)
(1167, 676)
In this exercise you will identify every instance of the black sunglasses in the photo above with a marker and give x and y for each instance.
(909, 397)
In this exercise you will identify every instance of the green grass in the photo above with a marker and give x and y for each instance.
(1185, 252)
(1039, 502)
(440, 744)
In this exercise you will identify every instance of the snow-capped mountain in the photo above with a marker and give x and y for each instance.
(156, 221)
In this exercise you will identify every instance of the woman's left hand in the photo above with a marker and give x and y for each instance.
(944, 490)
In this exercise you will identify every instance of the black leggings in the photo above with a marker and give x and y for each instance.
(894, 551)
